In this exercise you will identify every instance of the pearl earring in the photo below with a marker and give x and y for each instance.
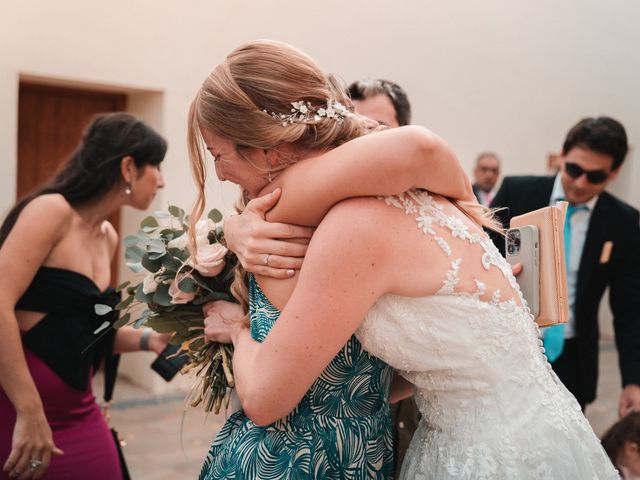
(127, 189)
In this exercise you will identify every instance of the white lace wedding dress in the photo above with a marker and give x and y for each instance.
(492, 408)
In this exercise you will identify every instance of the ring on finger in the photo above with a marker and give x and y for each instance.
(34, 464)
(266, 259)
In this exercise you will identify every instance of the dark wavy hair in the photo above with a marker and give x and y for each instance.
(627, 429)
(94, 167)
(602, 134)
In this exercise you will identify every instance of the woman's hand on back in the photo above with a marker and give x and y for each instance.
(262, 247)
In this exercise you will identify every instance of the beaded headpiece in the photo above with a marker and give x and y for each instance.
(304, 112)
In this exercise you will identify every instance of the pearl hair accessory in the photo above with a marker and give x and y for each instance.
(304, 112)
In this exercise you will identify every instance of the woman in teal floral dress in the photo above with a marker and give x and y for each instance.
(258, 113)
(340, 429)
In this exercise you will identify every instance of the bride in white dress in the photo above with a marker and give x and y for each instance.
(491, 405)
(439, 304)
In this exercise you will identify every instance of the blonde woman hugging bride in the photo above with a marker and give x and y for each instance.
(398, 274)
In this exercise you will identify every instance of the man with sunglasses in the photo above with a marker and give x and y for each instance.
(603, 250)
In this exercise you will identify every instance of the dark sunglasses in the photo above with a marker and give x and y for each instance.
(593, 176)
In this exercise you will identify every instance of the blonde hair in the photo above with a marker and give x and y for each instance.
(236, 100)
(480, 215)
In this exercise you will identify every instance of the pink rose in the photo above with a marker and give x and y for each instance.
(177, 295)
(209, 260)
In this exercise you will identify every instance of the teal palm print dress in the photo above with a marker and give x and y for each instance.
(340, 429)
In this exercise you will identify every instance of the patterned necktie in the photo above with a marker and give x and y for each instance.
(553, 338)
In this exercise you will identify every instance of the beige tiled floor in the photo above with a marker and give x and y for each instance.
(166, 443)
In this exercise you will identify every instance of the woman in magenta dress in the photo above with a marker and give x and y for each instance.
(56, 248)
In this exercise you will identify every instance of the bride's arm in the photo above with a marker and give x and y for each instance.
(381, 163)
(329, 298)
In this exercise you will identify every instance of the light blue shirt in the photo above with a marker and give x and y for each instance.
(579, 227)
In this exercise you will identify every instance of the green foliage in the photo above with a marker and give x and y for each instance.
(150, 263)
(177, 212)
(161, 296)
(122, 321)
(188, 285)
(156, 246)
(142, 319)
(133, 255)
(215, 215)
(104, 325)
(131, 240)
(122, 286)
(143, 237)
(140, 296)
(150, 222)
(125, 303)
(101, 309)
(170, 263)
(149, 252)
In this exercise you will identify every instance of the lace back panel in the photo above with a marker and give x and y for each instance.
(492, 407)
(452, 232)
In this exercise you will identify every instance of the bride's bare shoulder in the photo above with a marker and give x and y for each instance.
(360, 211)
(364, 220)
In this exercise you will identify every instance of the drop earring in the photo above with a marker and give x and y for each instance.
(269, 173)
(127, 189)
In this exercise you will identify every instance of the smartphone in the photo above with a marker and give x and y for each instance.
(168, 367)
(523, 246)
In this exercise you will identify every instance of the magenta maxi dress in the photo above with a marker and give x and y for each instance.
(62, 352)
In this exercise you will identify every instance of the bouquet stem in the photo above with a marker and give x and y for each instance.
(214, 376)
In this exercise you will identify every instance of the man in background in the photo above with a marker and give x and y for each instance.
(485, 177)
(381, 100)
(387, 103)
(602, 246)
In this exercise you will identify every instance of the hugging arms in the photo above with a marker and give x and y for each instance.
(329, 300)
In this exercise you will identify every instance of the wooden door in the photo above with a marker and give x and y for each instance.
(50, 125)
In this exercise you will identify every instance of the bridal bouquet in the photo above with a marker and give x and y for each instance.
(170, 296)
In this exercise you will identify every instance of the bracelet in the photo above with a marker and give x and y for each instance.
(144, 339)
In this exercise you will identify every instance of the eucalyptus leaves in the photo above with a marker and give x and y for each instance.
(175, 286)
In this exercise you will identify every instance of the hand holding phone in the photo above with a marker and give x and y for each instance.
(168, 367)
(522, 246)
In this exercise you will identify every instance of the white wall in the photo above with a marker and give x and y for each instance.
(494, 74)
(506, 76)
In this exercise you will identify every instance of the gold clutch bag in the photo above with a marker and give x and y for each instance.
(554, 300)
